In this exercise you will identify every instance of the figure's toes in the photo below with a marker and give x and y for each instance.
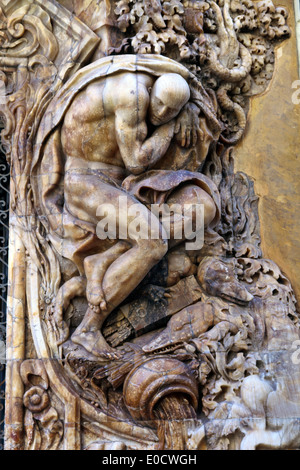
(101, 349)
(94, 342)
(95, 296)
(110, 355)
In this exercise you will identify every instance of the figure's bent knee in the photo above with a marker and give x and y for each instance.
(158, 249)
(188, 194)
(210, 211)
(153, 249)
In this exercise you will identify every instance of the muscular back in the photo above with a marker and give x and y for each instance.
(93, 125)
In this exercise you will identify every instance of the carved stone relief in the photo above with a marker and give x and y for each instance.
(132, 342)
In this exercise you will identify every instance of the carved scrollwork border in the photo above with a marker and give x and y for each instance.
(4, 233)
(41, 53)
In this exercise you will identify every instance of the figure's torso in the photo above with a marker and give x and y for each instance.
(88, 133)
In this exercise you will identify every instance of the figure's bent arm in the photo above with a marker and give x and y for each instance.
(138, 152)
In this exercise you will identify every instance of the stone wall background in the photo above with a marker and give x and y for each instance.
(270, 154)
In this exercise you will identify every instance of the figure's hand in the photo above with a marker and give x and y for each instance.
(187, 126)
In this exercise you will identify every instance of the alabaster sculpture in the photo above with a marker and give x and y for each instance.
(148, 337)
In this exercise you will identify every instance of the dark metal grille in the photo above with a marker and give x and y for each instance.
(4, 230)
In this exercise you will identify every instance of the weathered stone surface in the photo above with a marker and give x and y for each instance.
(272, 140)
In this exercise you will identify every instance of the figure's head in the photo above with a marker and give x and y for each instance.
(169, 94)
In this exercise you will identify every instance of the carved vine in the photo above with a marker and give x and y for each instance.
(28, 49)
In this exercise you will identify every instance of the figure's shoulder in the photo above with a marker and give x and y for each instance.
(129, 89)
(120, 91)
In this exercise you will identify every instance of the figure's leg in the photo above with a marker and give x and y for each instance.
(187, 195)
(121, 278)
(72, 288)
(193, 194)
(128, 270)
(95, 267)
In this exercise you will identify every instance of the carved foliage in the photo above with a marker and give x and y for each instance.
(229, 45)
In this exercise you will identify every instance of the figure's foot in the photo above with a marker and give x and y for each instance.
(94, 293)
(95, 267)
(89, 336)
(95, 344)
(74, 287)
